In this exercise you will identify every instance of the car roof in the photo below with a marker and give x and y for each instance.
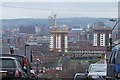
(79, 73)
(8, 58)
(98, 64)
(116, 47)
(13, 55)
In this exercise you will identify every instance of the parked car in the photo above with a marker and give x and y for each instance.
(11, 69)
(97, 71)
(80, 76)
(23, 61)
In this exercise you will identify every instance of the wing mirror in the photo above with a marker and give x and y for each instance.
(25, 69)
(86, 72)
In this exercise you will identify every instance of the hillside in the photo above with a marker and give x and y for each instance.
(76, 21)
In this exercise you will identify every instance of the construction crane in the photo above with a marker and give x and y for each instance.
(52, 20)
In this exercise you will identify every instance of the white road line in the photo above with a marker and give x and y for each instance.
(60, 59)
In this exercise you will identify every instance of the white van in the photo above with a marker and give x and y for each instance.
(97, 71)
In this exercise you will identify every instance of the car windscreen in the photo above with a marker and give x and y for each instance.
(19, 59)
(7, 63)
(79, 77)
(98, 68)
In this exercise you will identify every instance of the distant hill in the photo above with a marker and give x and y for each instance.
(75, 21)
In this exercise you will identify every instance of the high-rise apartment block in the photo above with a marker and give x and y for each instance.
(101, 36)
(59, 39)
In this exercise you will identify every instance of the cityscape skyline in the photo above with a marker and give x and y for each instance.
(62, 9)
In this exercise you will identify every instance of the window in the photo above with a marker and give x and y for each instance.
(19, 66)
(8, 63)
(112, 57)
(98, 68)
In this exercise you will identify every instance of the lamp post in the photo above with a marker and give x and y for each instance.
(110, 40)
(113, 20)
(38, 60)
(31, 54)
(25, 48)
(111, 66)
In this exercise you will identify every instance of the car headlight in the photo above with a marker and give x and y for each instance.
(119, 75)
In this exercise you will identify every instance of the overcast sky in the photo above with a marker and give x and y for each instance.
(13, 10)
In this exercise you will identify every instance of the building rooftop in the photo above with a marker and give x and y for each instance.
(59, 29)
(102, 28)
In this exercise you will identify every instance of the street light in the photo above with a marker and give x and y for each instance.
(110, 40)
(25, 48)
(38, 60)
(31, 54)
(113, 20)
(112, 66)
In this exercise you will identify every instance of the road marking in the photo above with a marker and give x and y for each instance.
(60, 59)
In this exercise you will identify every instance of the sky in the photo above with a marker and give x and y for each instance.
(15, 10)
